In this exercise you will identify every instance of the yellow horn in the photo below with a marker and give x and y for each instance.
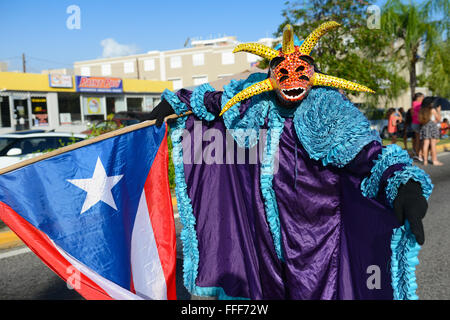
(288, 39)
(258, 88)
(314, 37)
(258, 49)
(320, 79)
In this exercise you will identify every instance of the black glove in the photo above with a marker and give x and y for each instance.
(411, 205)
(162, 110)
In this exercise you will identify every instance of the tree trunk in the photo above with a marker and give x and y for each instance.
(412, 78)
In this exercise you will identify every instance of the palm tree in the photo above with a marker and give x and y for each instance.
(414, 31)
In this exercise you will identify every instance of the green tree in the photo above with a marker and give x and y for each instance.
(354, 51)
(416, 34)
(437, 77)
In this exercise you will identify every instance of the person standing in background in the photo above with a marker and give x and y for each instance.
(444, 129)
(415, 125)
(401, 127)
(407, 133)
(430, 117)
(394, 118)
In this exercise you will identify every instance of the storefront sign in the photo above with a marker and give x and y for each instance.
(98, 84)
(60, 81)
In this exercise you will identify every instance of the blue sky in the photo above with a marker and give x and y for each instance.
(38, 28)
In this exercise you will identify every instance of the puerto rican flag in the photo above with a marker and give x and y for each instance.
(100, 216)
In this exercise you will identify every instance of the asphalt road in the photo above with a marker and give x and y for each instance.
(24, 276)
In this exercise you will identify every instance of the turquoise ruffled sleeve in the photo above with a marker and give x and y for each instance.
(195, 103)
(178, 106)
(394, 155)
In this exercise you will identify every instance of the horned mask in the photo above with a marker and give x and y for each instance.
(291, 69)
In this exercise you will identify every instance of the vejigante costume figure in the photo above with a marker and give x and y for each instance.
(326, 212)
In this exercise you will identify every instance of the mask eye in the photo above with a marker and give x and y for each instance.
(275, 61)
(304, 78)
(284, 78)
(301, 68)
(283, 71)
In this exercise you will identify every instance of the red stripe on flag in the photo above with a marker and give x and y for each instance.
(40, 244)
(159, 203)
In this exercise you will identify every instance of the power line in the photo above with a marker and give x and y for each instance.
(50, 61)
(10, 58)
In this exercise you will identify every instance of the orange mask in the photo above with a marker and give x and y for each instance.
(292, 71)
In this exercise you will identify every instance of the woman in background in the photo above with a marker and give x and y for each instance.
(415, 125)
(430, 117)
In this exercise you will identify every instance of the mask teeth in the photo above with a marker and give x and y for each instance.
(288, 39)
(314, 37)
(320, 79)
(258, 88)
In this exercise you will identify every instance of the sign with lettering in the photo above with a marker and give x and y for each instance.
(98, 84)
(60, 81)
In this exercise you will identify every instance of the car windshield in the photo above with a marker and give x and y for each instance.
(38, 144)
(5, 142)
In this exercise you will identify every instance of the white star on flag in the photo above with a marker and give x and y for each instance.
(98, 187)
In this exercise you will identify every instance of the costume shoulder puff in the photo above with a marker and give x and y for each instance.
(331, 128)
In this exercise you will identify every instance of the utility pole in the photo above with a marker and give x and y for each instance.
(24, 63)
(137, 68)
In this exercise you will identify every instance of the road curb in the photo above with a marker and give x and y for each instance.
(8, 240)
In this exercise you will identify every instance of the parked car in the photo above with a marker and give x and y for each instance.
(381, 127)
(19, 146)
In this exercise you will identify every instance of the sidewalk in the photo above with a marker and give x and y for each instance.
(8, 239)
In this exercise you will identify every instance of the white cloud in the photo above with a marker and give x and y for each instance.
(111, 48)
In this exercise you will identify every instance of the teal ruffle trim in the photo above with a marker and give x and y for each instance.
(402, 176)
(404, 260)
(197, 102)
(331, 128)
(188, 233)
(245, 131)
(178, 106)
(390, 155)
(276, 124)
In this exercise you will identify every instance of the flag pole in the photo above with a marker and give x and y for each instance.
(87, 142)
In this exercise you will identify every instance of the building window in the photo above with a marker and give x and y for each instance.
(134, 104)
(177, 83)
(198, 59)
(106, 70)
(200, 80)
(85, 71)
(149, 65)
(227, 58)
(69, 109)
(128, 67)
(175, 62)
